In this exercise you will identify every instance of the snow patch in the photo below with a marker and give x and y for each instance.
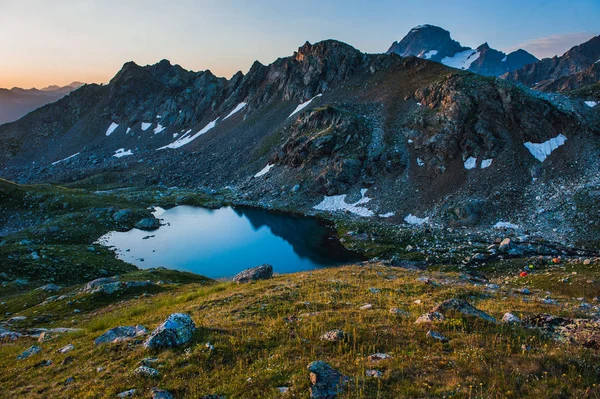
(462, 60)
(591, 104)
(470, 163)
(188, 139)
(65, 159)
(128, 130)
(303, 105)
(387, 215)
(486, 163)
(264, 171)
(338, 203)
(146, 125)
(420, 162)
(113, 126)
(505, 58)
(122, 153)
(506, 225)
(159, 128)
(236, 109)
(415, 221)
(542, 150)
(430, 54)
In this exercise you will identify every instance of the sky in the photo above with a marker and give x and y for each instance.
(59, 41)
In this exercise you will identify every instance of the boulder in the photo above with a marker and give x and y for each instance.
(326, 382)
(122, 216)
(262, 272)
(175, 331)
(66, 349)
(119, 334)
(464, 307)
(110, 285)
(32, 350)
(50, 288)
(585, 332)
(148, 224)
(127, 394)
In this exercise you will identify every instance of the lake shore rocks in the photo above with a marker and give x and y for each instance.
(262, 272)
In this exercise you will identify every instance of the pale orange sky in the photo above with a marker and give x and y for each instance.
(59, 41)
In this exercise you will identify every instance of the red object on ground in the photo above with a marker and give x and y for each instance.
(523, 274)
(556, 261)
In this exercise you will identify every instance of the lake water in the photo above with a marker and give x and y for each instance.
(222, 242)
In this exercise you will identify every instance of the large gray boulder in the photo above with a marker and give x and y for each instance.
(175, 331)
(148, 224)
(110, 285)
(326, 382)
(121, 333)
(262, 272)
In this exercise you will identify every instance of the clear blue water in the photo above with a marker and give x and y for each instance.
(223, 242)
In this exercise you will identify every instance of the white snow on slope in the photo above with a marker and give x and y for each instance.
(185, 139)
(470, 163)
(430, 54)
(264, 171)
(303, 105)
(506, 225)
(146, 125)
(591, 104)
(462, 60)
(416, 221)
(387, 215)
(64, 159)
(338, 203)
(113, 126)
(122, 153)
(542, 150)
(486, 163)
(236, 109)
(128, 130)
(159, 128)
(420, 162)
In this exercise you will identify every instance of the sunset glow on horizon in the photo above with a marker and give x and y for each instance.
(56, 43)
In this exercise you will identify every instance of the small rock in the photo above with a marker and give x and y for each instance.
(377, 357)
(161, 394)
(367, 306)
(66, 349)
(373, 373)
(32, 350)
(335, 335)
(462, 306)
(146, 371)
(262, 272)
(437, 336)
(127, 394)
(119, 334)
(431, 317)
(50, 288)
(326, 382)
(399, 312)
(510, 318)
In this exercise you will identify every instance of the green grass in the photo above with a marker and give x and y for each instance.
(257, 350)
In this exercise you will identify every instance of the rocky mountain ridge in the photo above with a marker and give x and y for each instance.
(330, 129)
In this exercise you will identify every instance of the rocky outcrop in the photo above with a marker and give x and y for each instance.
(262, 272)
(110, 285)
(32, 350)
(148, 224)
(326, 382)
(175, 331)
(335, 336)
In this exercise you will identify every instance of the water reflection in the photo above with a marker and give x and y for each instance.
(220, 243)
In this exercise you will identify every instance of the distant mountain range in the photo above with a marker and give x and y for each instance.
(578, 67)
(17, 102)
(435, 44)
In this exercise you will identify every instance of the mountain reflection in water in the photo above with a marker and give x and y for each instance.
(222, 242)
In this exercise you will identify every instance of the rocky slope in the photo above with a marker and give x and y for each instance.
(434, 43)
(577, 68)
(17, 102)
(330, 129)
